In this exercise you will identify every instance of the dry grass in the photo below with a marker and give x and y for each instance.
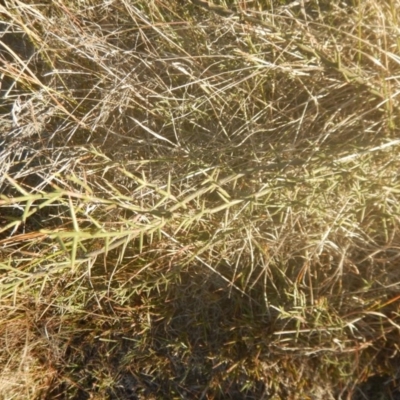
(199, 201)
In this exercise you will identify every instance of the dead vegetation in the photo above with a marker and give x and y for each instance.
(198, 200)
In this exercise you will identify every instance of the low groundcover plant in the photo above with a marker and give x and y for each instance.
(199, 200)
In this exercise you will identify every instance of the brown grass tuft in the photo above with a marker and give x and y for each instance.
(199, 200)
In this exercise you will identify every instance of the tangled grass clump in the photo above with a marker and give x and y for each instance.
(199, 200)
